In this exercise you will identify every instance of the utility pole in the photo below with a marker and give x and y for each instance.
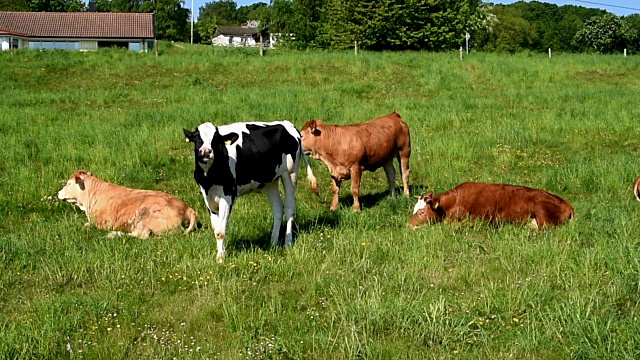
(192, 21)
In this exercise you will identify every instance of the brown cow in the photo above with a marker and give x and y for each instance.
(494, 203)
(350, 149)
(636, 188)
(136, 212)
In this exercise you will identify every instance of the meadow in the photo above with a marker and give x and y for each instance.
(354, 285)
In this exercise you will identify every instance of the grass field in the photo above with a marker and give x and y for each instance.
(354, 285)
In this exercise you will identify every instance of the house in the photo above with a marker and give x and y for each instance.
(238, 36)
(81, 31)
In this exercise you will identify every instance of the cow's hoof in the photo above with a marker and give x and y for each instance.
(220, 259)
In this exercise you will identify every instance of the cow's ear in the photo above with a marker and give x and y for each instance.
(314, 127)
(231, 138)
(189, 135)
(79, 180)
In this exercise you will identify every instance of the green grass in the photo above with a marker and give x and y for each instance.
(354, 284)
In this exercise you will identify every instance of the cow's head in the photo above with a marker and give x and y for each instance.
(426, 210)
(74, 190)
(309, 133)
(208, 141)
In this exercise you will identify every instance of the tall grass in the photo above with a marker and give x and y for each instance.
(353, 284)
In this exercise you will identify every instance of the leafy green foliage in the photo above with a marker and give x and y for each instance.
(171, 18)
(606, 34)
(510, 33)
(57, 5)
(399, 24)
(14, 5)
(119, 5)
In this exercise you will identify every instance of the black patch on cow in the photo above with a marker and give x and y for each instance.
(219, 172)
(261, 152)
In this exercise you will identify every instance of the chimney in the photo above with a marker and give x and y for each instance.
(92, 5)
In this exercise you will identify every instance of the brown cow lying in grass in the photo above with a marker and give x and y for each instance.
(636, 188)
(135, 212)
(350, 149)
(494, 203)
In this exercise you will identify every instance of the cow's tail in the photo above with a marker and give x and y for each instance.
(193, 220)
(636, 189)
(313, 182)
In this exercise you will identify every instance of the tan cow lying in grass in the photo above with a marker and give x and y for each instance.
(636, 188)
(350, 149)
(493, 203)
(122, 210)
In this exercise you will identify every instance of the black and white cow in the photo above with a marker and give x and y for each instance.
(236, 159)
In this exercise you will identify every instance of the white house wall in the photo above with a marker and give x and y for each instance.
(236, 41)
(5, 42)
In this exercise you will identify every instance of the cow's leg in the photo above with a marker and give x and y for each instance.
(403, 162)
(289, 207)
(219, 222)
(335, 186)
(390, 170)
(356, 175)
(548, 214)
(275, 200)
(140, 231)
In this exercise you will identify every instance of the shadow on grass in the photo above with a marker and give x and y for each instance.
(325, 220)
(371, 200)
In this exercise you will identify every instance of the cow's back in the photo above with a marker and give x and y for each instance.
(122, 209)
(375, 142)
(508, 202)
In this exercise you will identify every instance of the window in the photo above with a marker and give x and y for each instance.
(34, 45)
(134, 46)
(47, 45)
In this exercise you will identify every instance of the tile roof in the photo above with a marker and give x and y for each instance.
(78, 24)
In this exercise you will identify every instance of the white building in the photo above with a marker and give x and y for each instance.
(239, 36)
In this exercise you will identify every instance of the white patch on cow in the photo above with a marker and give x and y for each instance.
(421, 204)
(207, 130)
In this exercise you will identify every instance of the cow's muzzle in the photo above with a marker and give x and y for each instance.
(205, 154)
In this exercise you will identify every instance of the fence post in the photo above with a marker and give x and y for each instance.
(460, 53)
(625, 52)
(355, 46)
(549, 53)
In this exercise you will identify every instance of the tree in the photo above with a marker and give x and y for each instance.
(255, 11)
(57, 5)
(511, 33)
(213, 14)
(398, 24)
(605, 34)
(634, 22)
(171, 18)
(14, 5)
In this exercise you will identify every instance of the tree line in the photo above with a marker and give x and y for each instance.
(434, 25)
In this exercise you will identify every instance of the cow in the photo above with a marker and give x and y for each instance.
(244, 157)
(494, 203)
(348, 150)
(636, 188)
(138, 213)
